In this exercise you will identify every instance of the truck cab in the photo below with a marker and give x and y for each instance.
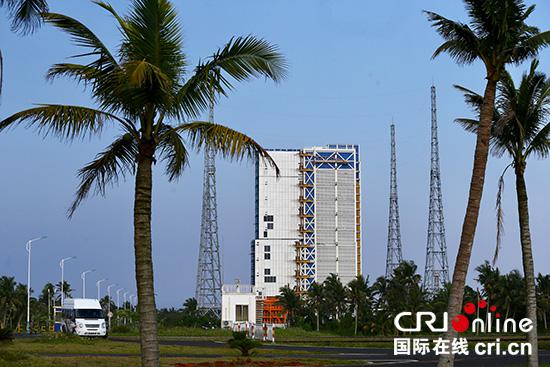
(84, 317)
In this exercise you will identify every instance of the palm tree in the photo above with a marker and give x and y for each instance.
(316, 300)
(336, 295)
(497, 35)
(141, 89)
(289, 299)
(358, 297)
(520, 129)
(543, 297)
(25, 16)
(7, 294)
(67, 290)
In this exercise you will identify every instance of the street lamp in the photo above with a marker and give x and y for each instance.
(29, 250)
(62, 266)
(98, 284)
(109, 304)
(118, 297)
(124, 295)
(83, 276)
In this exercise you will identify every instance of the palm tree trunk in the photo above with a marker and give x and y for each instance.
(143, 258)
(528, 266)
(356, 317)
(317, 319)
(472, 211)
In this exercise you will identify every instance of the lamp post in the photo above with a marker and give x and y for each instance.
(28, 246)
(98, 284)
(62, 266)
(118, 297)
(124, 304)
(109, 304)
(118, 305)
(83, 276)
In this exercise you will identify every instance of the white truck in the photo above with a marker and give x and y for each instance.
(83, 317)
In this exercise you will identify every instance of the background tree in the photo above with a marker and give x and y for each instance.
(359, 298)
(67, 290)
(316, 301)
(543, 297)
(497, 35)
(520, 129)
(289, 299)
(335, 293)
(143, 90)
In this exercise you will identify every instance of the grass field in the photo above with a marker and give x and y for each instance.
(50, 352)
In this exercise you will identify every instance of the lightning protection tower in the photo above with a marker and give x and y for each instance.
(209, 272)
(394, 254)
(436, 272)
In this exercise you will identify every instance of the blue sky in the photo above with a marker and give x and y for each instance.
(354, 67)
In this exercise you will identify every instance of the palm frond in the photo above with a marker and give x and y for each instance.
(461, 43)
(241, 58)
(1, 72)
(80, 73)
(121, 21)
(142, 74)
(153, 34)
(225, 141)
(470, 125)
(64, 122)
(26, 15)
(472, 99)
(172, 151)
(246, 57)
(82, 36)
(540, 144)
(500, 216)
(107, 167)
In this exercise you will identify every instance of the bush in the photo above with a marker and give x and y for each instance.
(6, 335)
(121, 329)
(242, 343)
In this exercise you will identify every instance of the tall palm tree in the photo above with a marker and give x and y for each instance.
(25, 16)
(520, 129)
(67, 290)
(543, 297)
(335, 294)
(316, 300)
(143, 90)
(358, 297)
(497, 35)
(7, 294)
(289, 299)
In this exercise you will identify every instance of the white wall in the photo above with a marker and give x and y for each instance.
(230, 300)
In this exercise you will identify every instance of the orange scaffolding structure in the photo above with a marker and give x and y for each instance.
(272, 312)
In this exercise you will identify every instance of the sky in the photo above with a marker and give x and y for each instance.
(354, 67)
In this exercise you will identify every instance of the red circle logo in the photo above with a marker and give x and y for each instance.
(469, 308)
(460, 323)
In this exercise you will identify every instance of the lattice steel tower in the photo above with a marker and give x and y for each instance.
(394, 255)
(436, 272)
(209, 271)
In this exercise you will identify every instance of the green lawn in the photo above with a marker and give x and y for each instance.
(31, 353)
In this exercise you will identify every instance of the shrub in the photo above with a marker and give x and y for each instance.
(121, 329)
(6, 335)
(242, 343)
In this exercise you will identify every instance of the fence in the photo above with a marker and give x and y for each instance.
(263, 332)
